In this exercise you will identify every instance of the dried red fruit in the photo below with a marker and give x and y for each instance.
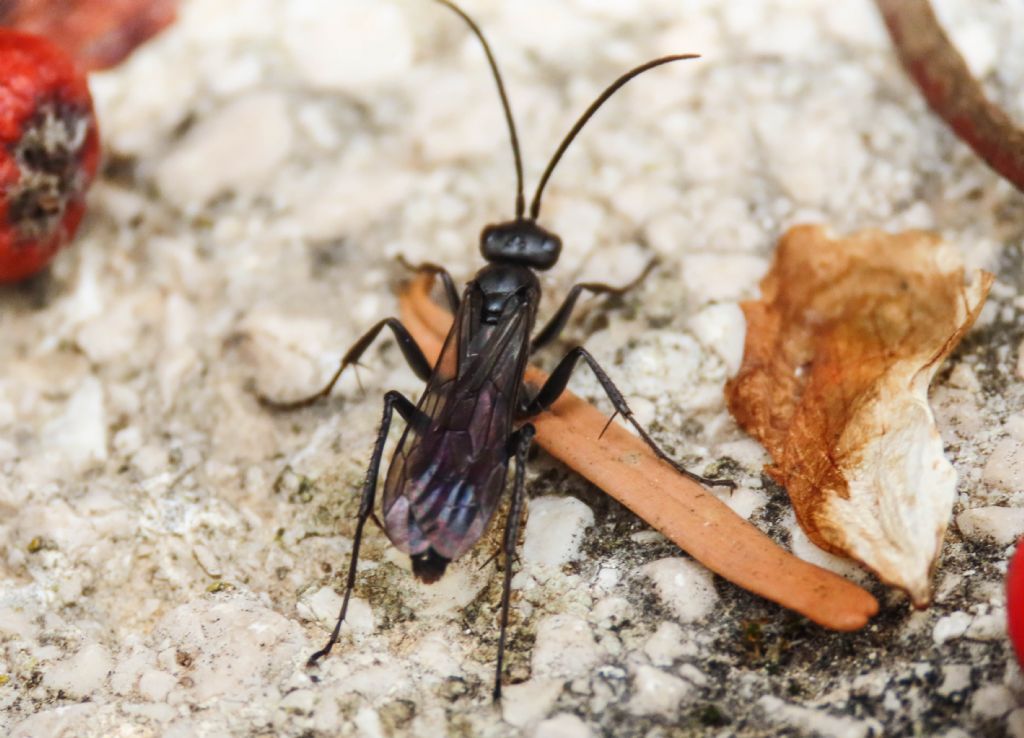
(98, 33)
(49, 151)
(1015, 601)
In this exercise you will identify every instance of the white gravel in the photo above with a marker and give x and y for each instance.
(171, 553)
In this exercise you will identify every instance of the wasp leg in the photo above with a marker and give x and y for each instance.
(429, 267)
(410, 349)
(392, 401)
(558, 321)
(557, 382)
(519, 445)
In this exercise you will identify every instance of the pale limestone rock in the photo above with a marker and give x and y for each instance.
(239, 148)
(1015, 723)
(656, 692)
(951, 627)
(554, 530)
(722, 277)
(16, 622)
(988, 627)
(565, 648)
(1005, 466)
(436, 654)
(368, 723)
(814, 722)
(82, 674)
(155, 685)
(611, 612)
(804, 548)
(692, 674)
(684, 585)
(978, 42)
(234, 644)
(993, 701)
(79, 434)
(668, 643)
(722, 328)
(526, 703)
(313, 38)
(61, 722)
(955, 678)
(299, 701)
(745, 501)
(963, 376)
(1004, 525)
(343, 201)
(563, 725)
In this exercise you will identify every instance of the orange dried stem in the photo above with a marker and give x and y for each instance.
(696, 521)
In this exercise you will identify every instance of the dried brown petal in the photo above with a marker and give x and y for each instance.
(839, 354)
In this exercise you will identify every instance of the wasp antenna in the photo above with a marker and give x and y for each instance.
(588, 114)
(520, 198)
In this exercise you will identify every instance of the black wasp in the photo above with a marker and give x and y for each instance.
(450, 466)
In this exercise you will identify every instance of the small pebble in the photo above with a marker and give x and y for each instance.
(992, 701)
(384, 51)
(564, 648)
(81, 674)
(527, 702)
(554, 530)
(667, 644)
(563, 725)
(1004, 468)
(236, 149)
(154, 685)
(955, 678)
(951, 627)
(684, 585)
(1004, 525)
(656, 692)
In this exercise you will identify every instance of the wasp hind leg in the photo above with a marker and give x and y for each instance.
(558, 321)
(557, 383)
(519, 445)
(392, 401)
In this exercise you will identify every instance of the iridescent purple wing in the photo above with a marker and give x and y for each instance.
(448, 472)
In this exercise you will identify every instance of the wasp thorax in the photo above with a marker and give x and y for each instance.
(520, 242)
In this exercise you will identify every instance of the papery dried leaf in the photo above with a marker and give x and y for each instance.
(839, 354)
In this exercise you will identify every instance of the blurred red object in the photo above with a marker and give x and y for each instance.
(49, 151)
(98, 33)
(1015, 601)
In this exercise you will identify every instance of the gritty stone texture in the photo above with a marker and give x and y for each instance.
(684, 586)
(950, 627)
(656, 692)
(563, 725)
(171, 553)
(1004, 525)
(554, 530)
(526, 703)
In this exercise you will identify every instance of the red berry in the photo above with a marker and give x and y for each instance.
(1015, 601)
(49, 151)
(98, 33)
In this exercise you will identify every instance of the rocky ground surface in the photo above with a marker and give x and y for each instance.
(170, 552)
